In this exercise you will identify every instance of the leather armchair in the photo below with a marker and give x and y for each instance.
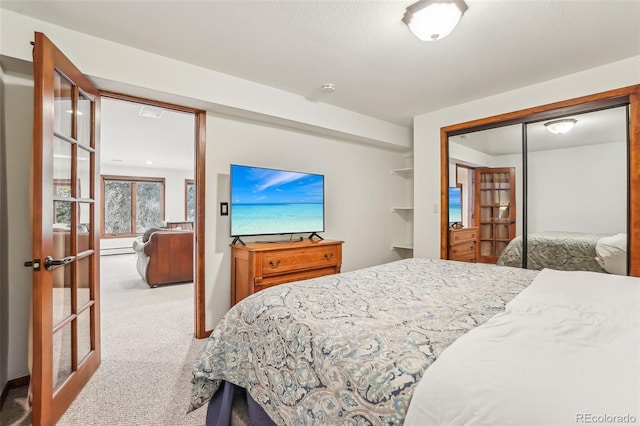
(166, 258)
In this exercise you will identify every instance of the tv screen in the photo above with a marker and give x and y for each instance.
(269, 201)
(455, 204)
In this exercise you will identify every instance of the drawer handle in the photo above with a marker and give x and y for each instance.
(328, 256)
(275, 264)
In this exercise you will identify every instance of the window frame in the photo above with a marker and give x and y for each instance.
(133, 180)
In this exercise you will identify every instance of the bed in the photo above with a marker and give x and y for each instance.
(566, 351)
(563, 251)
(349, 348)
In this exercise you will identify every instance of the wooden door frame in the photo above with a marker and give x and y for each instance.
(200, 116)
(629, 95)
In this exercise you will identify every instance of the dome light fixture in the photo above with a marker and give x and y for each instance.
(558, 127)
(431, 20)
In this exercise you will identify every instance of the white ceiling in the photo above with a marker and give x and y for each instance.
(379, 68)
(130, 140)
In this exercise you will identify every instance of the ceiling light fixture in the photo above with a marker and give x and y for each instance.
(149, 112)
(559, 127)
(328, 87)
(432, 20)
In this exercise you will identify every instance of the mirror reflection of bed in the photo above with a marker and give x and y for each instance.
(571, 202)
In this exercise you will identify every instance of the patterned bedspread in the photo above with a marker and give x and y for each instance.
(350, 348)
(562, 251)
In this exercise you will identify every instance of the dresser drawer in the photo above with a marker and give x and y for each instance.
(283, 261)
(463, 249)
(299, 275)
(463, 235)
(464, 257)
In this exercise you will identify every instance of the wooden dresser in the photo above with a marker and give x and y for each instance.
(462, 244)
(256, 266)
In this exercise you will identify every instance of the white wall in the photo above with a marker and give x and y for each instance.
(174, 192)
(581, 189)
(17, 141)
(427, 133)
(359, 192)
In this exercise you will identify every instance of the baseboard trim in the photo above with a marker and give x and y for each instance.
(13, 384)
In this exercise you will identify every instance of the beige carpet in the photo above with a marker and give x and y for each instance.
(148, 350)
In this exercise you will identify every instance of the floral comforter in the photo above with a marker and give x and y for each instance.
(350, 348)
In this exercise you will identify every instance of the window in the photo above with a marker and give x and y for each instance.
(189, 200)
(131, 205)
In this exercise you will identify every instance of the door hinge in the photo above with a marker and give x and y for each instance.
(35, 264)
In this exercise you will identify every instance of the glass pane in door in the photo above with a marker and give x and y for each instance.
(84, 173)
(61, 168)
(62, 104)
(84, 281)
(84, 120)
(62, 355)
(61, 293)
(84, 334)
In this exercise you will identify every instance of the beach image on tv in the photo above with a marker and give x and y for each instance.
(455, 204)
(268, 201)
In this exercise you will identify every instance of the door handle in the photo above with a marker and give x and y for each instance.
(50, 263)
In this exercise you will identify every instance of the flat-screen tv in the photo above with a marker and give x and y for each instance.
(455, 204)
(270, 201)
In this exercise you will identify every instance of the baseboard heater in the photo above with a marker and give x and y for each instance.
(116, 250)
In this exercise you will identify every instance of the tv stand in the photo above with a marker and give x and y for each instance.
(315, 234)
(237, 240)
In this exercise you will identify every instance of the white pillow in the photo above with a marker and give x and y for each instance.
(611, 254)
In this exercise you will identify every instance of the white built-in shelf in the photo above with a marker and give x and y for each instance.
(404, 171)
(403, 246)
(401, 209)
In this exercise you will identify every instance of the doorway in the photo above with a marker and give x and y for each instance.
(176, 149)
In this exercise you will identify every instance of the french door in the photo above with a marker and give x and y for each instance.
(65, 297)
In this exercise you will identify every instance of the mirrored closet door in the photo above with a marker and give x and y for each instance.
(577, 192)
(549, 189)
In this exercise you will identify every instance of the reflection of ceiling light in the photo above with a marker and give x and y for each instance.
(149, 162)
(559, 127)
(68, 157)
(150, 112)
(434, 19)
(70, 111)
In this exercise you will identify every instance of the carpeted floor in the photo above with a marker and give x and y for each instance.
(148, 350)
